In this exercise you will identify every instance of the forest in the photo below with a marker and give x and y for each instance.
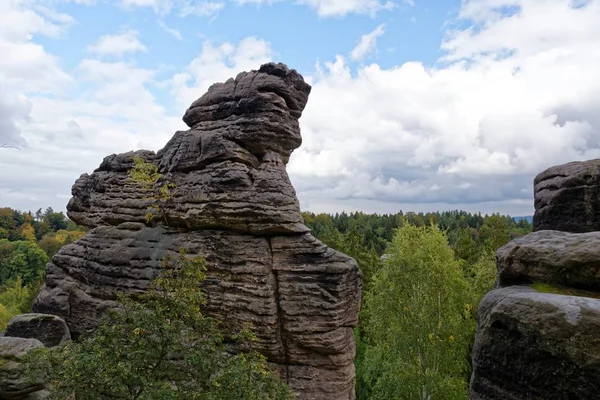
(424, 275)
(27, 242)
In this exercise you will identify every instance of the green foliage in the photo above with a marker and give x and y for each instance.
(482, 277)
(148, 178)
(417, 321)
(15, 299)
(157, 346)
(21, 259)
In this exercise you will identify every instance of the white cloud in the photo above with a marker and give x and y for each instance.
(118, 45)
(323, 8)
(217, 63)
(335, 8)
(183, 8)
(65, 121)
(367, 44)
(340, 8)
(519, 92)
(171, 31)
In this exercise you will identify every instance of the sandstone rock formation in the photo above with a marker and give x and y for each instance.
(234, 205)
(534, 345)
(48, 329)
(538, 346)
(567, 198)
(13, 383)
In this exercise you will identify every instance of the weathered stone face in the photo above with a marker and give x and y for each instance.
(532, 345)
(553, 257)
(567, 198)
(233, 205)
(48, 329)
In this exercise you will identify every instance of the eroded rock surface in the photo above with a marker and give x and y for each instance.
(532, 345)
(553, 257)
(235, 206)
(567, 198)
(48, 329)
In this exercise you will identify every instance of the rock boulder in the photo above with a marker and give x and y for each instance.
(538, 346)
(234, 205)
(48, 329)
(567, 198)
(553, 257)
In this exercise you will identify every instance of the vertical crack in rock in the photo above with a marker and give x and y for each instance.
(280, 324)
(233, 204)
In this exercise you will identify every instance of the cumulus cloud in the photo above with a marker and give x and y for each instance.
(517, 90)
(111, 109)
(515, 94)
(118, 45)
(218, 62)
(367, 43)
(11, 111)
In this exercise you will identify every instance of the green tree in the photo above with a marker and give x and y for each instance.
(495, 232)
(417, 322)
(22, 258)
(15, 299)
(159, 346)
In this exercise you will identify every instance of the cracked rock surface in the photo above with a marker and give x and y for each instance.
(234, 205)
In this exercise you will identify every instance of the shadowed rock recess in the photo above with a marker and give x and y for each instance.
(234, 205)
(537, 332)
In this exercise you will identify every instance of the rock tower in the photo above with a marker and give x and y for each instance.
(234, 205)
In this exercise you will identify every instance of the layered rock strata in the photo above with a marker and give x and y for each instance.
(234, 205)
(50, 330)
(567, 198)
(537, 334)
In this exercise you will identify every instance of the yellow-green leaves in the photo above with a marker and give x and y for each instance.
(147, 177)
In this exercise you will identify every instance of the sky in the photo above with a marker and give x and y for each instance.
(417, 105)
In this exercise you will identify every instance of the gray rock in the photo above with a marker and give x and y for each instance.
(13, 383)
(48, 329)
(235, 206)
(229, 169)
(560, 258)
(567, 198)
(537, 346)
